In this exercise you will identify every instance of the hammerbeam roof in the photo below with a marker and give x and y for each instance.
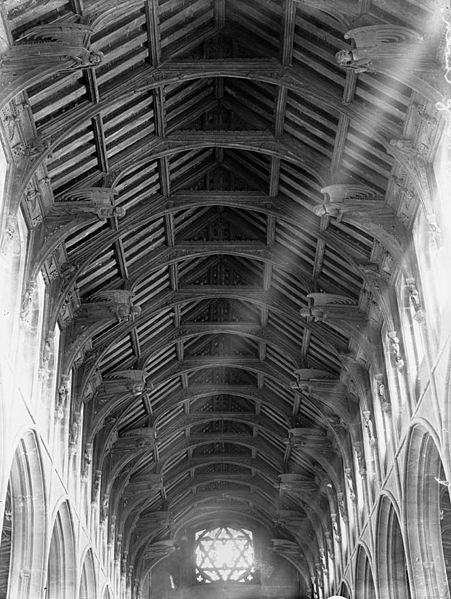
(214, 125)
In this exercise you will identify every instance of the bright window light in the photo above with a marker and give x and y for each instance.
(224, 554)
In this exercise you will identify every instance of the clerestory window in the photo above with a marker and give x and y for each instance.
(224, 554)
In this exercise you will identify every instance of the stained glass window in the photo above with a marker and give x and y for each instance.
(224, 554)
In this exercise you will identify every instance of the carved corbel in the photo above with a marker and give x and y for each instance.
(91, 386)
(368, 424)
(414, 299)
(86, 461)
(342, 506)
(33, 205)
(330, 547)
(133, 440)
(381, 392)
(335, 528)
(63, 395)
(358, 451)
(74, 433)
(10, 241)
(128, 381)
(322, 554)
(118, 301)
(69, 308)
(395, 350)
(350, 484)
(26, 307)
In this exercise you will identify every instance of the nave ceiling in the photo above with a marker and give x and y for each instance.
(221, 319)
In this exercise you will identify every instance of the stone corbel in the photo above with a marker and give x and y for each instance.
(63, 395)
(350, 484)
(26, 307)
(342, 506)
(86, 461)
(69, 308)
(10, 245)
(335, 528)
(414, 299)
(360, 459)
(74, 433)
(381, 392)
(395, 350)
(46, 355)
(369, 426)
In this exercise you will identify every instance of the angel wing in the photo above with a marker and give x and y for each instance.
(90, 193)
(131, 375)
(308, 374)
(121, 296)
(374, 35)
(326, 299)
(73, 34)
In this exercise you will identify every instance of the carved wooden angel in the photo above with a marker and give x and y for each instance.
(384, 46)
(63, 44)
(133, 380)
(344, 199)
(91, 200)
(325, 305)
(119, 301)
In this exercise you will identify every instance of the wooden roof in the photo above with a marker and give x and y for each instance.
(216, 124)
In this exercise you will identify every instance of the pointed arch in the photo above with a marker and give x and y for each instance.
(392, 568)
(61, 565)
(27, 522)
(426, 496)
(88, 586)
(364, 580)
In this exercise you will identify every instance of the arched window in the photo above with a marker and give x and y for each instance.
(224, 554)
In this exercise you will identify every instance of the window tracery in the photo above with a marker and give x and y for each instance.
(224, 554)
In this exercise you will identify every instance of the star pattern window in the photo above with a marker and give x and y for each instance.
(224, 554)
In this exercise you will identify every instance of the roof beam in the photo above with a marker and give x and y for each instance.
(270, 71)
(250, 330)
